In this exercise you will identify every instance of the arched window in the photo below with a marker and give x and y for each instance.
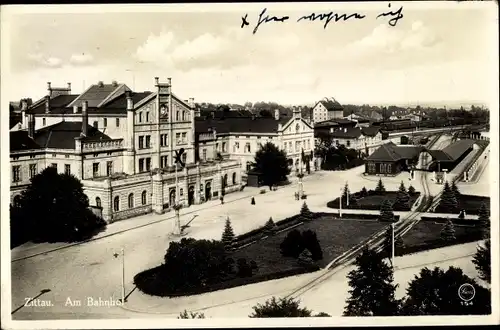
(97, 202)
(234, 178)
(130, 201)
(297, 127)
(116, 203)
(177, 115)
(144, 197)
(183, 115)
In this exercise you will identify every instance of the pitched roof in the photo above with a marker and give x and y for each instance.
(370, 130)
(239, 125)
(58, 104)
(347, 133)
(97, 93)
(120, 103)
(19, 140)
(62, 135)
(390, 152)
(453, 151)
(331, 104)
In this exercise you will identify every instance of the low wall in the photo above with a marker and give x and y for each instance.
(473, 167)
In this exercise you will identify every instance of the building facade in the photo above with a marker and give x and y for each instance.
(240, 138)
(327, 109)
(122, 146)
(390, 159)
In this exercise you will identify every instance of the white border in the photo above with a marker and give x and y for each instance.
(9, 12)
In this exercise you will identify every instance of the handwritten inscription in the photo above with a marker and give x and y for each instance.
(327, 17)
(394, 20)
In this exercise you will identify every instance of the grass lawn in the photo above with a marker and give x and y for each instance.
(335, 237)
(471, 204)
(426, 235)
(372, 201)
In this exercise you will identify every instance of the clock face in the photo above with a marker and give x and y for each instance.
(163, 109)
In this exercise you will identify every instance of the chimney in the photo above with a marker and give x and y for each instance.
(85, 118)
(169, 80)
(24, 105)
(157, 81)
(114, 83)
(191, 102)
(47, 104)
(75, 108)
(31, 125)
(69, 87)
(276, 114)
(100, 83)
(130, 102)
(49, 88)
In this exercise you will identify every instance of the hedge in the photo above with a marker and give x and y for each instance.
(439, 243)
(141, 280)
(456, 221)
(372, 207)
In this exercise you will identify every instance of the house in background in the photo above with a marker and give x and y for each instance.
(327, 109)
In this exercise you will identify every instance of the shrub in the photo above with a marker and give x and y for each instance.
(244, 269)
(263, 191)
(322, 314)
(292, 245)
(284, 307)
(191, 315)
(311, 243)
(305, 258)
(254, 266)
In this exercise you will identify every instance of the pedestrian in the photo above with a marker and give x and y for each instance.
(253, 201)
(222, 199)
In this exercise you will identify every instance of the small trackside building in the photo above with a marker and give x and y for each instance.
(390, 159)
(451, 156)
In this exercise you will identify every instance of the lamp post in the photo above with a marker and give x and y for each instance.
(116, 255)
(393, 245)
(340, 202)
(177, 226)
(347, 193)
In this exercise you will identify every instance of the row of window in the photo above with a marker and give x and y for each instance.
(96, 172)
(383, 168)
(288, 146)
(95, 123)
(33, 170)
(116, 201)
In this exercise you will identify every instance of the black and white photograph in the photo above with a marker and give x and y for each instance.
(249, 164)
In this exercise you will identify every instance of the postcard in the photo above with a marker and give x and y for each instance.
(249, 165)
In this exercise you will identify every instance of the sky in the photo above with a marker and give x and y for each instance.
(435, 53)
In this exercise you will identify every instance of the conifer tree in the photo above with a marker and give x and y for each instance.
(448, 202)
(372, 292)
(228, 234)
(270, 227)
(448, 231)
(380, 186)
(455, 191)
(482, 261)
(305, 213)
(345, 193)
(484, 220)
(252, 202)
(411, 190)
(364, 192)
(386, 213)
(402, 199)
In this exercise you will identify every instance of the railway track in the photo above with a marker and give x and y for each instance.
(376, 240)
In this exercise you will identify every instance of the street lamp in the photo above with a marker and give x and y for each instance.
(340, 202)
(116, 255)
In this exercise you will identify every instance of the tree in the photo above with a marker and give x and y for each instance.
(402, 199)
(191, 315)
(192, 264)
(54, 208)
(411, 190)
(228, 234)
(305, 213)
(270, 227)
(380, 186)
(448, 202)
(310, 242)
(386, 213)
(265, 113)
(345, 192)
(435, 292)
(484, 220)
(482, 261)
(372, 290)
(282, 307)
(364, 192)
(292, 245)
(272, 164)
(448, 231)
(455, 191)
(398, 243)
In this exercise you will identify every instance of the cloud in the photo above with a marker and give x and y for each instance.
(40, 59)
(81, 59)
(156, 48)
